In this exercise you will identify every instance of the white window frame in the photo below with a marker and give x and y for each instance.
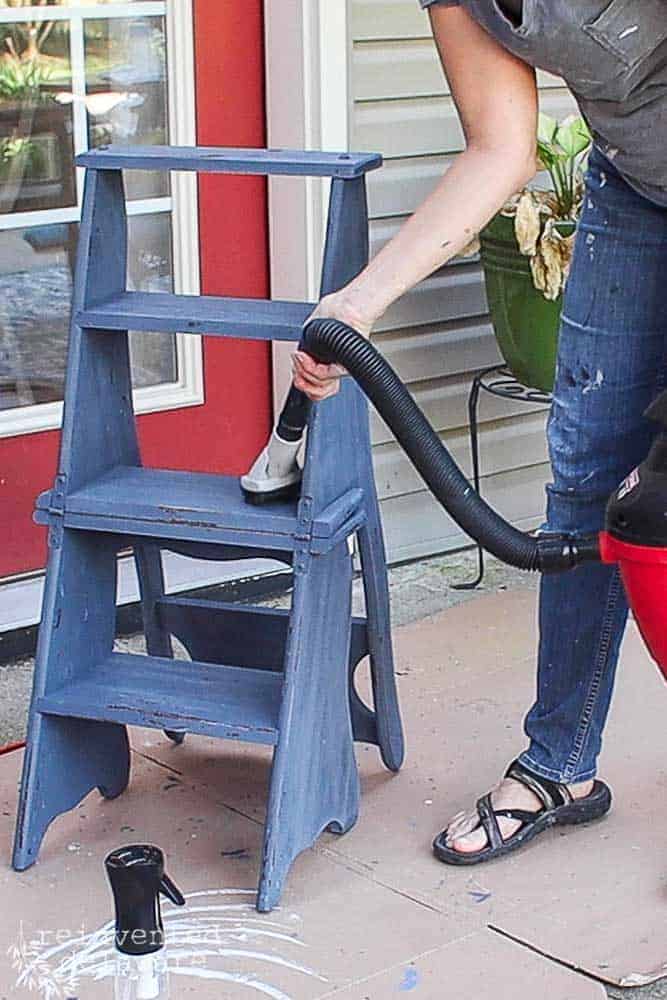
(308, 98)
(188, 389)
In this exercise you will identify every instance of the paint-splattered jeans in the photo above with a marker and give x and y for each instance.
(611, 363)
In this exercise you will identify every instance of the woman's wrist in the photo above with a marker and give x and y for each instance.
(348, 307)
(357, 304)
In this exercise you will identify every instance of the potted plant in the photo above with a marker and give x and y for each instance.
(526, 251)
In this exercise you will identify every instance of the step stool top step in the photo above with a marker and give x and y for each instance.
(160, 312)
(230, 160)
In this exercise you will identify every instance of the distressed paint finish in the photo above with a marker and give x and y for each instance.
(255, 638)
(216, 315)
(282, 678)
(223, 160)
(345, 255)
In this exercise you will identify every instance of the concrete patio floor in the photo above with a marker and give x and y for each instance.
(418, 589)
(373, 915)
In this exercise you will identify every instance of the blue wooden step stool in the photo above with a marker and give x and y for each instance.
(282, 678)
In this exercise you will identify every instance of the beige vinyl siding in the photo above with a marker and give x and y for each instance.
(437, 335)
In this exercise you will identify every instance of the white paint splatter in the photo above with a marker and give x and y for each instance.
(202, 942)
(241, 979)
(595, 384)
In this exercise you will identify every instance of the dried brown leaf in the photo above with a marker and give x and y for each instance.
(538, 270)
(550, 253)
(527, 223)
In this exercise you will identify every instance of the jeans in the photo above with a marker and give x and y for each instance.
(612, 356)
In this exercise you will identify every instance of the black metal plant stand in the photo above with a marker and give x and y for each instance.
(498, 381)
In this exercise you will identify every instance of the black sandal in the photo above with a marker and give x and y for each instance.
(559, 808)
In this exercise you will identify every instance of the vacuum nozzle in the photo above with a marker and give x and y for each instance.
(275, 473)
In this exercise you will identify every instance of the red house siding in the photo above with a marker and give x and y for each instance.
(226, 432)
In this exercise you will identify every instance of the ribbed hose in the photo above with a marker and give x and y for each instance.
(329, 340)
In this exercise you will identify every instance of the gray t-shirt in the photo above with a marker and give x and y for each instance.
(613, 56)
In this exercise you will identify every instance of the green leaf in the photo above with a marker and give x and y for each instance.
(546, 128)
(583, 135)
(572, 136)
(545, 155)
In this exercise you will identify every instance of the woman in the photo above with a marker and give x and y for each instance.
(612, 351)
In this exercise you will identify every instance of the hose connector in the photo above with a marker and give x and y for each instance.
(559, 552)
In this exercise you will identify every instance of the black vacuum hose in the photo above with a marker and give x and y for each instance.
(329, 340)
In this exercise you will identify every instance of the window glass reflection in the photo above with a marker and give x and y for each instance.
(126, 91)
(36, 267)
(68, 83)
(149, 269)
(35, 289)
(36, 148)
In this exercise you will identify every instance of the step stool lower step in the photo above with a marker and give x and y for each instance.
(210, 699)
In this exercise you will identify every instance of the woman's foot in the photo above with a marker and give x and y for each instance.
(517, 810)
(464, 833)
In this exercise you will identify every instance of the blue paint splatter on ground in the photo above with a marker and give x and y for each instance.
(477, 892)
(410, 980)
(480, 896)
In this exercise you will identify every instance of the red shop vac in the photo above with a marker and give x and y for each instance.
(635, 537)
(635, 534)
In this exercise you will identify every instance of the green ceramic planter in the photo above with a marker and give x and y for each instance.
(524, 322)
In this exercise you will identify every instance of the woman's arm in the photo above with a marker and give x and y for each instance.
(496, 98)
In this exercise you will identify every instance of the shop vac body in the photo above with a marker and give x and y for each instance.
(643, 571)
(635, 538)
(635, 534)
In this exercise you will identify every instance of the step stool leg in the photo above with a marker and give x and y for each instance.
(346, 253)
(314, 780)
(150, 574)
(66, 758)
(383, 675)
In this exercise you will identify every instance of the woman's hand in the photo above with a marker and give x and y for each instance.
(319, 381)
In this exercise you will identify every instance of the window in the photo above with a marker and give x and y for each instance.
(74, 76)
